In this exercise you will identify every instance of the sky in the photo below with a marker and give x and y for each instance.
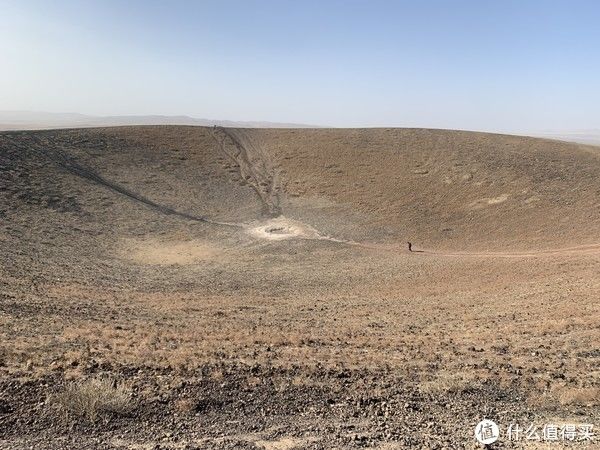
(508, 66)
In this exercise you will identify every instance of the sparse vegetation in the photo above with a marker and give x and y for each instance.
(93, 399)
(451, 383)
(229, 339)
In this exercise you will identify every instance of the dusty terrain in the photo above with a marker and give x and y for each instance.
(189, 287)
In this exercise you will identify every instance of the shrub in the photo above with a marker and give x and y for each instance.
(93, 399)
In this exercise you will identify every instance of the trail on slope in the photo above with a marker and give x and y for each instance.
(69, 164)
(565, 251)
(587, 249)
(256, 168)
(254, 165)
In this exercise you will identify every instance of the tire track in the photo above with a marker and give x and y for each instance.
(254, 165)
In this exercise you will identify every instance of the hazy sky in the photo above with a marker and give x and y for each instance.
(497, 65)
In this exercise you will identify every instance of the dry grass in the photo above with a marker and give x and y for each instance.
(447, 321)
(568, 396)
(446, 383)
(451, 339)
(93, 399)
(185, 406)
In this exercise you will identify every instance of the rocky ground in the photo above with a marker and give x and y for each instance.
(150, 299)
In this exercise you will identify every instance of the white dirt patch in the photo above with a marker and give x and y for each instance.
(483, 202)
(500, 199)
(285, 443)
(281, 228)
(158, 252)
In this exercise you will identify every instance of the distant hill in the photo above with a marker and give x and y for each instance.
(33, 120)
(36, 120)
(590, 137)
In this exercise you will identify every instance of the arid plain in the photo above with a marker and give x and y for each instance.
(192, 287)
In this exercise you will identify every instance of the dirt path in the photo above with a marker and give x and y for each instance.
(587, 249)
(566, 251)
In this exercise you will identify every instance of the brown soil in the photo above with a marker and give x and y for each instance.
(252, 288)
